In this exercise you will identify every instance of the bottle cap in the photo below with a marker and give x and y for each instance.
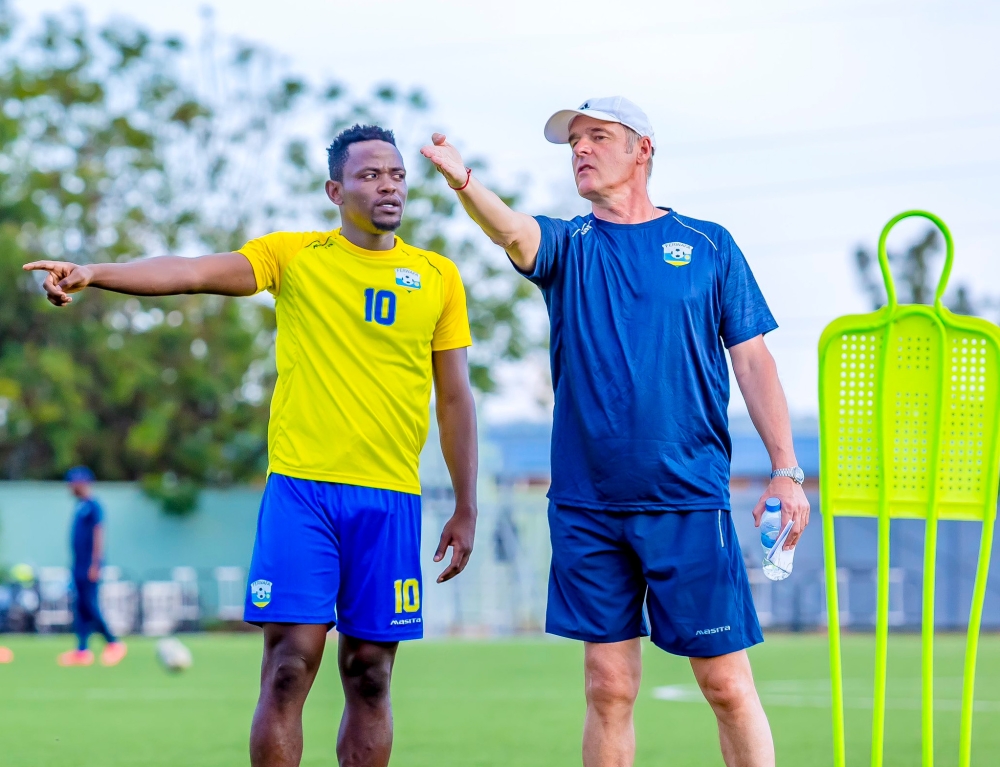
(772, 504)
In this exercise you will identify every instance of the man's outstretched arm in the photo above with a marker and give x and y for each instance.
(517, 233)
(456, 415)
(227, 274)
(757, 376)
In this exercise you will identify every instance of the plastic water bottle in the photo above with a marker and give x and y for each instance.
(770, 529)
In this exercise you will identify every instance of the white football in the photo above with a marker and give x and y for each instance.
(173, 655)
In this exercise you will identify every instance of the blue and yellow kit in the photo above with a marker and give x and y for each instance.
(338, 536)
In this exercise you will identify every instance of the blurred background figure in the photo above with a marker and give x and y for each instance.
(6, 655)
(87, 546)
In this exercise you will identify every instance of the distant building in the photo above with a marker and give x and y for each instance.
(524, 451)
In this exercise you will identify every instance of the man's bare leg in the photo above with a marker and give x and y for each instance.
(292, 654)
(727, 683)
(612, 672)
(365, 738)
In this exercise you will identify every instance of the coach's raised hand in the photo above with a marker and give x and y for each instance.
(446, 159)
(516, 233)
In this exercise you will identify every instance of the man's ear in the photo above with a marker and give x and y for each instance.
(335, 191)
(645, 148)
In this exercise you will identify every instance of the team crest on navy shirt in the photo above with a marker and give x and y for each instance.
(677, 253)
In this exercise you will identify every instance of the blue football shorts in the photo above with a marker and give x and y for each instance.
(685, 568)
(340, 555)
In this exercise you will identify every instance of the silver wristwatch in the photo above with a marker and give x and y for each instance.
(795, 474)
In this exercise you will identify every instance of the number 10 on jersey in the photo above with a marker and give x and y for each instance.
(380, 306)
(407, 595)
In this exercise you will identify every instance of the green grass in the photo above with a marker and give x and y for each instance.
(467, 704)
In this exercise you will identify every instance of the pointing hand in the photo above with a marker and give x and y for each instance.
(62, 279)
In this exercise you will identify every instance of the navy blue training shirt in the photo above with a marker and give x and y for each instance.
(88, 516)
(639, 315)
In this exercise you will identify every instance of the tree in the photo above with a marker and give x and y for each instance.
(107, 152)
(915, 273)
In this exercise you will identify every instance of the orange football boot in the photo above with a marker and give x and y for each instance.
(76, 658)
(113, 653)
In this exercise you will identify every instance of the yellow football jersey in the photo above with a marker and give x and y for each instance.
(356, 329)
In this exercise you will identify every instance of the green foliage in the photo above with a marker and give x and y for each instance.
(108, 153)
(176, 496)
(132, 388)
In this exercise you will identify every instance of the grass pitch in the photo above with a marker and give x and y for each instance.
(470, 703)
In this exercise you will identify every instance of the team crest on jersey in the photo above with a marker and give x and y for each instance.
(407, 278)
(260, 593)
(677, 253)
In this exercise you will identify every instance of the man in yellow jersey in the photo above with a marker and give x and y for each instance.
(365, 322)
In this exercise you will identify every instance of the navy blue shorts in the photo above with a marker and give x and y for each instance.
(685, 567)
(338, 555)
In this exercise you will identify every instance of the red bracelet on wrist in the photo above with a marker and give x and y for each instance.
(468, 178)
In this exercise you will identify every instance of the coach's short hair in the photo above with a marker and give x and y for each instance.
(631, 139)
(337, 151)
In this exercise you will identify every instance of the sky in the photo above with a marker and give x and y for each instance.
(801, 126)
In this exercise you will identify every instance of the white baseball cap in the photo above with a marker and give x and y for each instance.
(612, 109)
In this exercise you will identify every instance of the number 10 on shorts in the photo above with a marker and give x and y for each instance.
(407, 595)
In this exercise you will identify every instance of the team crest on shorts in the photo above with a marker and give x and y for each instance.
(260, 592)
(677, 253)
(407, 278)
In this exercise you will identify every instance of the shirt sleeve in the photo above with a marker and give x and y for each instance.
(745, 313)
(269, 255)
(452, 329)
(95, 513)
(553, 244)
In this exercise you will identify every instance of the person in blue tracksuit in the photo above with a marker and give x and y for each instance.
(87, 546)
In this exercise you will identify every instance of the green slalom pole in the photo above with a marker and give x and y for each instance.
(833, 627)
(930, 543)
(882, 588)
(972, 641)
(881, 639)
(927, 646)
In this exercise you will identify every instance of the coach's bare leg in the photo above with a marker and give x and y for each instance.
(612, 675)
(727, 683)
(365, 738)
(292, 654)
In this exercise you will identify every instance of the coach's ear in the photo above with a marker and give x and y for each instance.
(335, 191)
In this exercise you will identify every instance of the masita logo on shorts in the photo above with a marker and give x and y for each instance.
(404, 621)
(706, 632)
(677, 253)
(260, 593)
(407, 278)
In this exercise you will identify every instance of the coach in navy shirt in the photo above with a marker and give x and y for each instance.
(643, 302)
(640, 313)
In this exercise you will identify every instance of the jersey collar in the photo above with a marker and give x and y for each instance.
(350, 247)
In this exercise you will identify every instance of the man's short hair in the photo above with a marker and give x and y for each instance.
(337, 151)
(631, 139)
